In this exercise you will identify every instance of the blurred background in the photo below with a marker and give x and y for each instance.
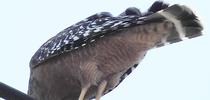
(179, 71)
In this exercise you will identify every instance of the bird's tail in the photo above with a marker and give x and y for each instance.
(186, 23)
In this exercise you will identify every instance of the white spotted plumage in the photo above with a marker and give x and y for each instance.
(82, 31)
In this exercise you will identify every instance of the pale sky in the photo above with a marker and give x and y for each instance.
(179, 71)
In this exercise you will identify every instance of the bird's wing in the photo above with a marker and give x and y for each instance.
(85, 32)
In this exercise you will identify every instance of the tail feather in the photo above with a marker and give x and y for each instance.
(186, 23)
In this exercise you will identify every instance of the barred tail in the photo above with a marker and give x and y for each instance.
(186, 23)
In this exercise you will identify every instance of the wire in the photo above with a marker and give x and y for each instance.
(10, 93)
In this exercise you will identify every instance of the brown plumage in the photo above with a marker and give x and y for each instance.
(97, 67)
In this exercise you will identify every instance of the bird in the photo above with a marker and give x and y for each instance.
(92, 57)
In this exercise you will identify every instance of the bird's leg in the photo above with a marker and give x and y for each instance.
(83, 92)
(101, 88)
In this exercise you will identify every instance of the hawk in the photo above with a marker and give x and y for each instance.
(92, 57)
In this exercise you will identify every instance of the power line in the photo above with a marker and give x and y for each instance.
(10, 93)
